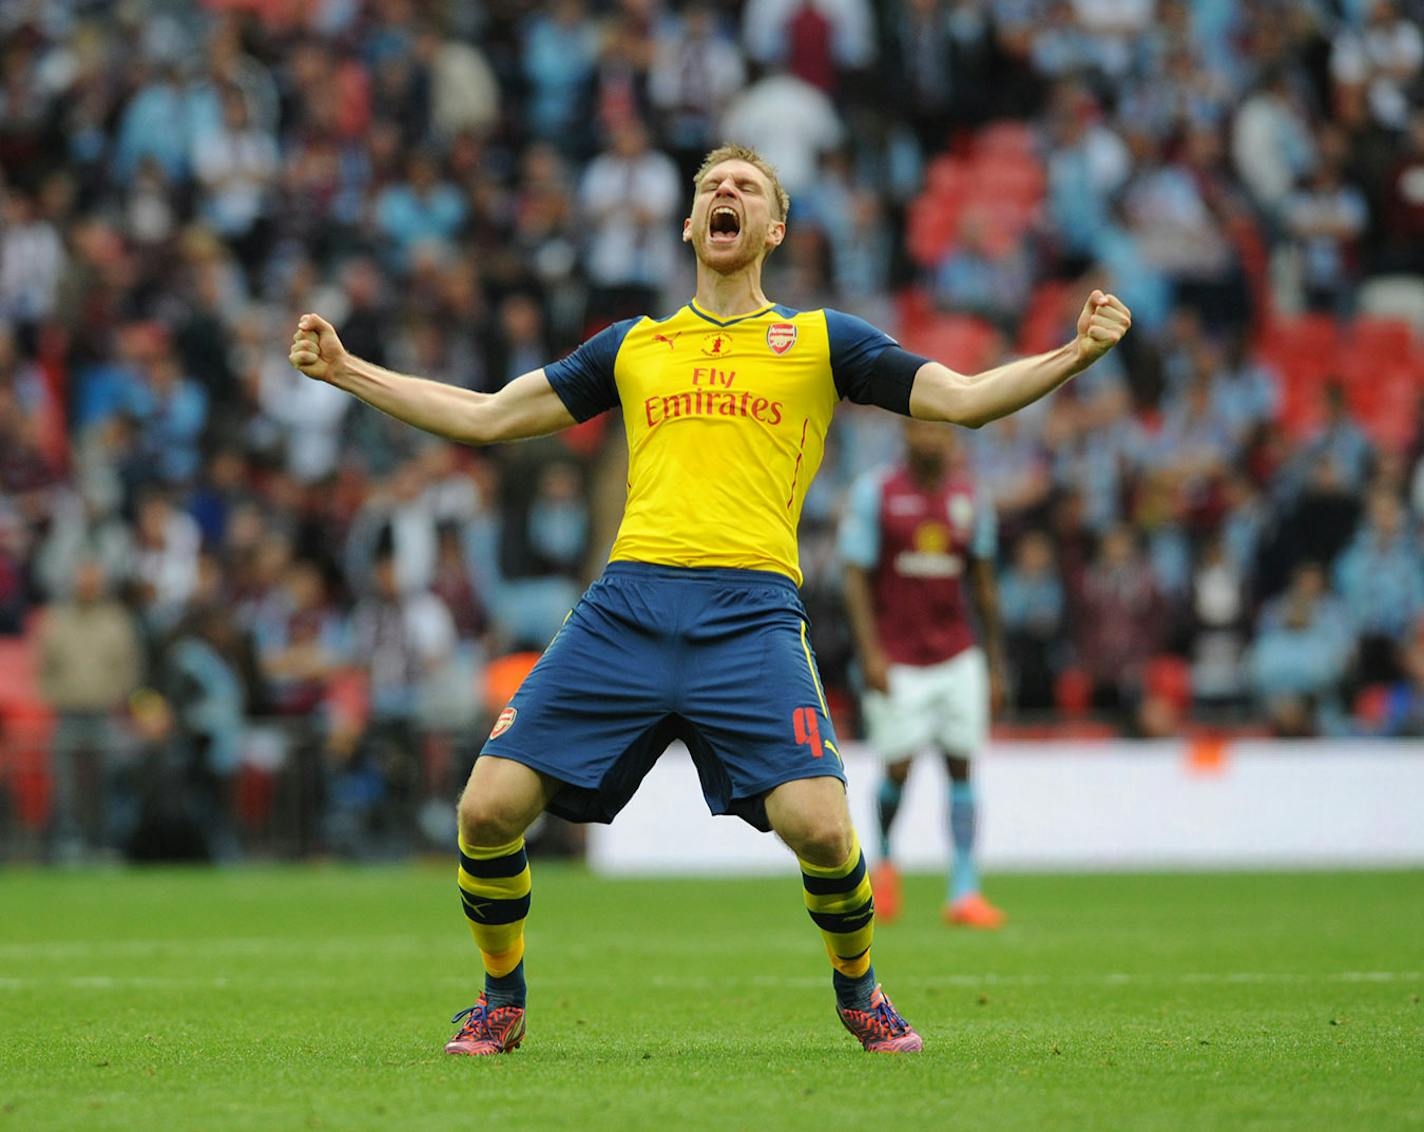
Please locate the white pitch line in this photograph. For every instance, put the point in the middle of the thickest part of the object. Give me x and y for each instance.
(971, 982)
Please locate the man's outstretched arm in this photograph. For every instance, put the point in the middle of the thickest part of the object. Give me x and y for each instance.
(940, 394)
(527, 406)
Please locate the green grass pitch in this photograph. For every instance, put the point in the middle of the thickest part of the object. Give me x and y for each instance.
(275, 998)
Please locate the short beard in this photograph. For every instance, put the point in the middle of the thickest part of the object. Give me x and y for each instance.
(747, 255)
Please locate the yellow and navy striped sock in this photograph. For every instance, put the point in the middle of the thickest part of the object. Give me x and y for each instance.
(841, 905)
(494, 888)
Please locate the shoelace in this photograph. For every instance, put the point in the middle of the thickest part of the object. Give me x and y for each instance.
(474, 1018)
(888, 1020)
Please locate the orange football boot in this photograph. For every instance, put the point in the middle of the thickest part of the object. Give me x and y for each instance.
(885, 887)
(973, 911)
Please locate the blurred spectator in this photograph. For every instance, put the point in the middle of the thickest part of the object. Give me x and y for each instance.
(1403, 203)
(402, 639)
(982, 274)
(630, 198)
(519, 344)
(83, 527)
(1271, 143)
(558, 520)
(939, 56)
(165, 560)
(1087, 165)
(156, 123)
(236, 166)
(1377, 66)
(31, 260)
(171, 411)
(815, 40)
(560, 50)
(1220, 616)
(1339, 444)
(696, 71)
(421, 213)
(789, 122)
(1120, 623)
(300, 641)
(1032, 605)
(1014, 466)
(1246, 390)
(1300, 655)
(463, 92)
(1380, 576)
(204, 674)
(1327, 217)
(90, 661)
(1404, 703)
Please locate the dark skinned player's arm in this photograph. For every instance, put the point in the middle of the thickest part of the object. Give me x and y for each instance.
(860, 610)
(984, 593)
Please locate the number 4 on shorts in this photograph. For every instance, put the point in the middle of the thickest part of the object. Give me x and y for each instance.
(807, 729)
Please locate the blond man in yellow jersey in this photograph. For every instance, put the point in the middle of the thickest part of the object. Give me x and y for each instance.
(695, 631)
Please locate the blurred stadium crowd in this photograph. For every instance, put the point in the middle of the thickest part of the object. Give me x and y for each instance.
(229, 577)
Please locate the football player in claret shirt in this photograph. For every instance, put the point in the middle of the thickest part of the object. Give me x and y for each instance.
(695, 631)
(918, 544)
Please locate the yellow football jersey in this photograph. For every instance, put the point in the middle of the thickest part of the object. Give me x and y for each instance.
(726, 422)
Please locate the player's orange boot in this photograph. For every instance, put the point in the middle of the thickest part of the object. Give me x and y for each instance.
(973, 911)
(881, 1029)
(885, 887)
(486, 1031)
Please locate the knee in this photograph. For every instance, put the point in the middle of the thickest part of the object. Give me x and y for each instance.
(824, 842)
(487, 819)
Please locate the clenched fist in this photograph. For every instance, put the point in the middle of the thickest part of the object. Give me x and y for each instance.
(1101, 326)
(316, 350)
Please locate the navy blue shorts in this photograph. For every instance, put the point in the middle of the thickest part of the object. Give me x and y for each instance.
(715, 657)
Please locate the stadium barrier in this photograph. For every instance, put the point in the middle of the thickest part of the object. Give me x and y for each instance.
(1112, 805)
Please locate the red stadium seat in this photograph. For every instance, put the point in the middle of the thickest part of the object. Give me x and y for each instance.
(1381, 337)
(932, 225)
(26, 724)
(1073, 692)
(1169, 677)
(1014, 137)
(1371, 704)
(1305, 334)
(1046, 322)
(962, 342)
(1008, 178)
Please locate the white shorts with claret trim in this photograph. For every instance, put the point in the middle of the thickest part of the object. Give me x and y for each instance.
(945, 706)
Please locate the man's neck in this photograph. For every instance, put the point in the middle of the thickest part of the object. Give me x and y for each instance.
(926, 478)
(726, 296)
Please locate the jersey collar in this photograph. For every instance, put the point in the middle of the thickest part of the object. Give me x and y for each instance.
(700, 313)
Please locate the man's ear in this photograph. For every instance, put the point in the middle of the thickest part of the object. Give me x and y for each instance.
(775, 234)
(687, 229)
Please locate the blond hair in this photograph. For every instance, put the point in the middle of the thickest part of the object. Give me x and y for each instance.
(781, 201)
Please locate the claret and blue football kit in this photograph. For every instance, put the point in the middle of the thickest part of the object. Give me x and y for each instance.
(696, 631)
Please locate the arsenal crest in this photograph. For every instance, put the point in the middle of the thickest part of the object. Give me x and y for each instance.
(504, 722)
(781, 336)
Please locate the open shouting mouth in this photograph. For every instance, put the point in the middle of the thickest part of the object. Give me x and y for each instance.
(724, 225)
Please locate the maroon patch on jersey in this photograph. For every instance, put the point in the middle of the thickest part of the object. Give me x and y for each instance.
(781, 336)
(921, 614)
(504, 722)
